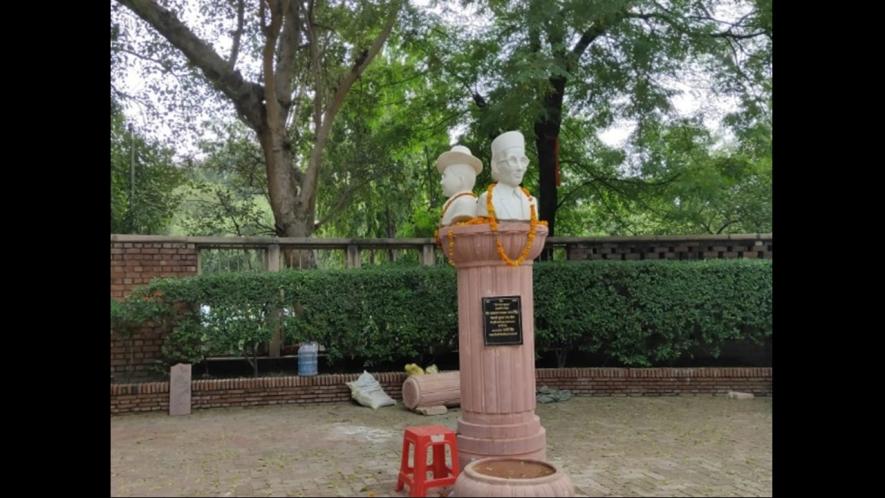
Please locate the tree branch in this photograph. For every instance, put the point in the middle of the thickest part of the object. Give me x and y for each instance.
(315, 68)
(235, 50)
(344, 86)
(245, 95)
(277, 7)
(146, 105)
(672, 21)
(574, 191)
(165, 65)
(612, 184)
(360, 66)
(724, 226)
(228, 209)
(342, 200)
(288, 44)
(734, 36)
(595, 31)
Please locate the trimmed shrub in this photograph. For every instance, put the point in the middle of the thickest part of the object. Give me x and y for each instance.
(644, 312)
(637, 312)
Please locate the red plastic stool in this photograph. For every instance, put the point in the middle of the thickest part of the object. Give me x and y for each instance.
(421, 438)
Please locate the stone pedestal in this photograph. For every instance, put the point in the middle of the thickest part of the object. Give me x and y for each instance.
(497, 381)
(180, 389)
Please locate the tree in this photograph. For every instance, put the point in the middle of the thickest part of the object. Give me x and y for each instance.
(687, 186)
(382, 180)
(544, 64)
(379, 179)
(311, 53)
(143, 181)
(227, 191)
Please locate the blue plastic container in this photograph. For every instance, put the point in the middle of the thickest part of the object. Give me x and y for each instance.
(307, 359)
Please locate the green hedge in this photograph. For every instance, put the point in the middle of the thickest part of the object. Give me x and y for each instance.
(646, 312)
(638, 313)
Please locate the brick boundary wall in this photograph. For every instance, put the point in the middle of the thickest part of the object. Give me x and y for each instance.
(137, 263)
(331, 388)
(145, 350)
(690, 248)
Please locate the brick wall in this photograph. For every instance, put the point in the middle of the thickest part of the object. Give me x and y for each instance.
(135, 263)
(696, 247)
(146, 344)
(331, 388)
(656, 381)
(327, 388)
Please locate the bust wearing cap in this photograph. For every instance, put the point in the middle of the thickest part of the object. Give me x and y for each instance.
(509, 164)
(459, 169)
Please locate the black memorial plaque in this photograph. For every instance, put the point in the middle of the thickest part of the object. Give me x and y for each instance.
(502, 320)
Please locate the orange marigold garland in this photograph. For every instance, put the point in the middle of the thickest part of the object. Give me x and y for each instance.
(493, 223)
(451, 236)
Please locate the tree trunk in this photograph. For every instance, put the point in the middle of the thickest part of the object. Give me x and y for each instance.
(547, 141)
(292, 218)
(252, 358)
(264, 109)
(561, 355)
(548, 123)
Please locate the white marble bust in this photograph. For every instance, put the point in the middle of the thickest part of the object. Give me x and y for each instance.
(459, 169)
(509, 164)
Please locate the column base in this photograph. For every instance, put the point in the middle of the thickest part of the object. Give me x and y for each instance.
(512, 435)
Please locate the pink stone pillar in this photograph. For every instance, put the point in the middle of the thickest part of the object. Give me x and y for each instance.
(497, 381)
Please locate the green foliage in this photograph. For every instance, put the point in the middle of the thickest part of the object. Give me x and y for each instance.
(380, 314)
(380, 179)
(141, 309)
(638, 313)
(436, 79)
(645, 54)
(119, 318)
(226, 192)
(156, 180)
(187, 342)
(644, 313)
(683, 186)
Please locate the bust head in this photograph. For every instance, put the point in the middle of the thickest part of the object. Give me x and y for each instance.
(458, 178)
(459, 169)
(509, 161)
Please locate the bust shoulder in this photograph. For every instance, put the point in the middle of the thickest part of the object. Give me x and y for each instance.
(459, 208)
(467, 199)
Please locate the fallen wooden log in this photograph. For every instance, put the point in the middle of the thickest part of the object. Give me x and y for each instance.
(443, 388)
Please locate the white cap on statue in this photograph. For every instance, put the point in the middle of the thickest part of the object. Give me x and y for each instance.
(458, 155)
(507, 140)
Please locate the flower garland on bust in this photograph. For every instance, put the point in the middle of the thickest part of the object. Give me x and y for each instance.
(476, 220)
(493, 223)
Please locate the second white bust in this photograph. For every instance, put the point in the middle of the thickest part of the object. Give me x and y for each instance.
(459, 169)
(509, 164)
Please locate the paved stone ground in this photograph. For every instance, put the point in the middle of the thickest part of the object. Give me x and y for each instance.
(622, 446)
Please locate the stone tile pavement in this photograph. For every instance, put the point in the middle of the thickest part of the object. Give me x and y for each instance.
(620, 446)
